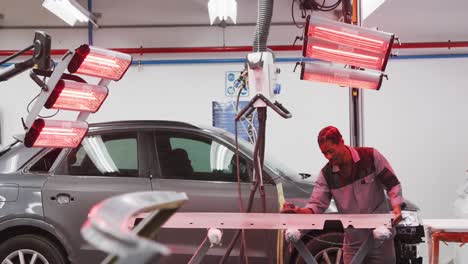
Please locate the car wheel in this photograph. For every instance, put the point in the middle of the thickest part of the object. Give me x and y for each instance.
(30, 249)
(326, 248)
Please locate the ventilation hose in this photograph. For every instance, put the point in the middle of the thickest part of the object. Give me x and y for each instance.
(265, 12)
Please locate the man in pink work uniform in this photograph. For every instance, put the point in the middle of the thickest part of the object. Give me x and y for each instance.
(356, 178)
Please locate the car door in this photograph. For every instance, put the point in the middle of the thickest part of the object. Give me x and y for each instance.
(204, 168)
(104, 165)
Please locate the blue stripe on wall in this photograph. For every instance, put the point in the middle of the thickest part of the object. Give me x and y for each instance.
(292, 59)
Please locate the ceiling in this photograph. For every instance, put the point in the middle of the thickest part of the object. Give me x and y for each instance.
(137, 12)
(411, 21)
(422, 20)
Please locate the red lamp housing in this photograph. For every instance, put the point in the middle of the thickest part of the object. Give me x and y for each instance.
(98, 62)
(348, 44)
(76, 96)
(321, 72)
(55, 133)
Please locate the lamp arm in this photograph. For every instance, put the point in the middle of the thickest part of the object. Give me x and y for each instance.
(16, 54)
(41, 57)
(15, 69)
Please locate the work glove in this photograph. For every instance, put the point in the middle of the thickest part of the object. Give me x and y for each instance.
(290, 208)
(382, 233)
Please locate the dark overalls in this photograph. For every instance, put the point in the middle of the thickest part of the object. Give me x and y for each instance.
(362, 193)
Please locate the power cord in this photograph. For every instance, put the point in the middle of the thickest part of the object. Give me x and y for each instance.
(35, 97)
(292, 15)
(323, 7)
(334, 243)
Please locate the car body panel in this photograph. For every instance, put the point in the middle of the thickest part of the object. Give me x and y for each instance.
(27, 190)
(84, 192)
(14, 156)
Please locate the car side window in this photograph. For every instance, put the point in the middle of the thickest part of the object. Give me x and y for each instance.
(105, 155)
(189, 157)
(44, 164)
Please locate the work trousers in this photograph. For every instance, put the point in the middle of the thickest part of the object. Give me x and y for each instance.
(379, 252)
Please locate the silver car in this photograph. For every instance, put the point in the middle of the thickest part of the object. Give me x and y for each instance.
(46, 193)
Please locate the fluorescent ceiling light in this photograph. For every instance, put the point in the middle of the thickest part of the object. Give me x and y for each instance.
(369, 6)
(222, 10)
(99, 155)
(68, 10)
(220, 157)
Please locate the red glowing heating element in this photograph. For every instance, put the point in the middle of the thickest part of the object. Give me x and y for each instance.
(321, 72)
(350, 57)
(97, 62)
(348, 39)
(55, 133)
(348, 44)
(76, 96)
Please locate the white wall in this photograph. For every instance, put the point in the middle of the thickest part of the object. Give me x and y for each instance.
(418, 120)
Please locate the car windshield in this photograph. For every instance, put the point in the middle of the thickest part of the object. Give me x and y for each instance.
(273, 163)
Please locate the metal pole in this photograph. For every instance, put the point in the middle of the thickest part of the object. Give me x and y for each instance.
(356, 119)
(90, 24)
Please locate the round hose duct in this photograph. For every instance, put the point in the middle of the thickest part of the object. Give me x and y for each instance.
(265, 12)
